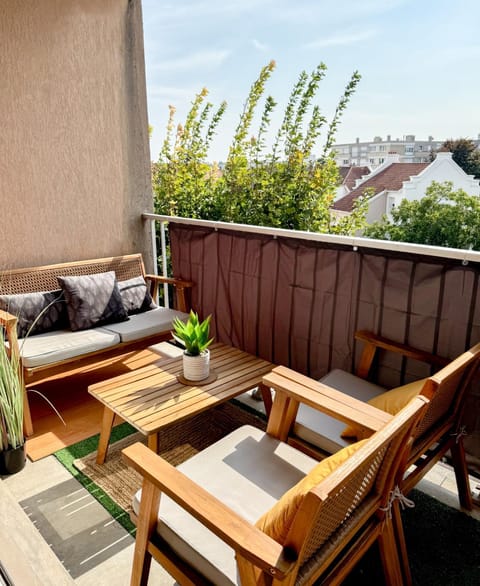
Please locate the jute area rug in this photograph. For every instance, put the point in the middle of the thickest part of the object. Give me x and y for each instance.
(178, 442)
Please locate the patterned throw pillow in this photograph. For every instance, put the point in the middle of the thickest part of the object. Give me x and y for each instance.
(92, 300)
(36, 312)
(136, 297)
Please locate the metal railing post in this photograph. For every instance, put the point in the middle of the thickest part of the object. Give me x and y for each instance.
(164, 263)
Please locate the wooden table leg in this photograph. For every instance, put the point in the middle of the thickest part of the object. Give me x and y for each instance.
(107, 424)
(152, 442)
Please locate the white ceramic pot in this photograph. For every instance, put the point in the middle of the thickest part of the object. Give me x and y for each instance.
(196, 367)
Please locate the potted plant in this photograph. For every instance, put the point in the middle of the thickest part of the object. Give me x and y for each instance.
(194, 335)
(12, 441)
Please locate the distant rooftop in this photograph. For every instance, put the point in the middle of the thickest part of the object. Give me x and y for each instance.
(351, 173)
(389, 179)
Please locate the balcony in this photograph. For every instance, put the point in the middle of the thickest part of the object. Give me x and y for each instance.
(75, 184)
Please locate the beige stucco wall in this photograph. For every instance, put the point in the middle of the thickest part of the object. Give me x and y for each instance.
(74, 152)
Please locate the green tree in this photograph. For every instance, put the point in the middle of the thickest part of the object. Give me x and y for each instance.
(443, 217)
(283, 185)
(465, 154)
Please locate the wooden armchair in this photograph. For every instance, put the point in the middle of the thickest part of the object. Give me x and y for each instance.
(252, 510)
(439, 429)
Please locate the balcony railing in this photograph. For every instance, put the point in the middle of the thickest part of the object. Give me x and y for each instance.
(296, 298)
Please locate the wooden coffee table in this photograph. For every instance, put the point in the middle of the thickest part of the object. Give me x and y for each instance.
(151, 397)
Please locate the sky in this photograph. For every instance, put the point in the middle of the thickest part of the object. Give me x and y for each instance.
(419, 62)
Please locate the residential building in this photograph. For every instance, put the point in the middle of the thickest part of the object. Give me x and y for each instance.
(394, 181)
(373, 153)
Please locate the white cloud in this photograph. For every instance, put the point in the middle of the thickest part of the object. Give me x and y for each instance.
(258, 45)
(203, 59)
(340, 39)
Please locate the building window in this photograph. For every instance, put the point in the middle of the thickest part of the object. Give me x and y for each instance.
(409, 149)
(346, 161)
(382, 148)
(372, 161)
(381, 160)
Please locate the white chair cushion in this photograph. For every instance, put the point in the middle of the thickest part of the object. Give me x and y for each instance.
(248, 471)
(145, 324)
(324, 431)
(64, 344)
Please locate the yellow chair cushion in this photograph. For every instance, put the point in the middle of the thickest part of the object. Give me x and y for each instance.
(277, 521)
(391, 401)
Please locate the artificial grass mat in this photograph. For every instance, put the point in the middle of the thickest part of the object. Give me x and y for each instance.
(67, 456)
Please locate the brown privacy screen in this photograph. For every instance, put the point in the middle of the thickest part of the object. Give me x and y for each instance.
(298, 302)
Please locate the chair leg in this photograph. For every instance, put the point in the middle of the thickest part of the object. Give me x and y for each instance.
(401, 544)
(389, 555)
(457, 451)
(27, 415)
(147, 521)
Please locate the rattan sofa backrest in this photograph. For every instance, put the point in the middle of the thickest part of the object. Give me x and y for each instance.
(44, 278)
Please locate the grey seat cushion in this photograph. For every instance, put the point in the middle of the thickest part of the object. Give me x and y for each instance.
(248, 471)
(324, 431)
(63, 344)
(145, 324)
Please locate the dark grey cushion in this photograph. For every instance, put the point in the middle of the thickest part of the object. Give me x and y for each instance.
(92, 300)
(36, 312)
(136, 297)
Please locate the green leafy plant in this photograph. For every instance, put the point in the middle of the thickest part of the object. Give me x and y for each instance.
(442, 217)
(282, 185)
(11, 398)
(193, 333)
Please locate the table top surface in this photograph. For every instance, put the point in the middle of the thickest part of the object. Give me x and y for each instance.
(151, 397)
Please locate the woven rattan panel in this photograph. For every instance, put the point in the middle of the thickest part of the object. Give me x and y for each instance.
(442, 403)
(344, 503)
(44, 278)
(336, 542)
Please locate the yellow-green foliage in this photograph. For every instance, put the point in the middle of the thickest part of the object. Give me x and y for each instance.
(284, 185)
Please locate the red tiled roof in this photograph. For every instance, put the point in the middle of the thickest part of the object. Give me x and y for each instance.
(350, 174)
(390, 179)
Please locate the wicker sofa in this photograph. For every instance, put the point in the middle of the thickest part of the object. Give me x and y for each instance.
(60, 345)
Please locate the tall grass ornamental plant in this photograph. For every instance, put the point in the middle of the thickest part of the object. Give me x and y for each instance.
(11, 399)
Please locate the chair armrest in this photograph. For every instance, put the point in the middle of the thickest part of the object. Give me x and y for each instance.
(247, 540)
(7, 319)
(9, 322)
(179, 285)
(293, 388)
(169, 280)
(374, 342)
